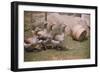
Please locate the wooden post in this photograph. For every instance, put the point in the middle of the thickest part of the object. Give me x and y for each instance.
(45, 16)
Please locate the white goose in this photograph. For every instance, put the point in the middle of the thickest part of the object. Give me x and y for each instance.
(45, 33)
(59, 38)
(32, 40)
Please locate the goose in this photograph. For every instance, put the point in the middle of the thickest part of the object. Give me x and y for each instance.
(32, 43)
(27, 45)
(45, 33)
(59, 38)
(35, 36)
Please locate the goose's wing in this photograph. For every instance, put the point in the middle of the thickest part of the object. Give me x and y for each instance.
(59, 37)
(55, 42)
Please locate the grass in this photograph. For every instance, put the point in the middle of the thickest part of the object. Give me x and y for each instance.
(76, 50)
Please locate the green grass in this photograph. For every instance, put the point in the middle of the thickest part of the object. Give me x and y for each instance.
(76, 50)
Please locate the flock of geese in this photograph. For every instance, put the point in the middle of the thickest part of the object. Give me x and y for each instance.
(46, 38)
(52, 32)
